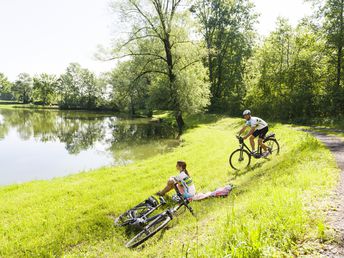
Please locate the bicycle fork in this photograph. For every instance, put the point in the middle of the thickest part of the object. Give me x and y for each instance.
(241, 157)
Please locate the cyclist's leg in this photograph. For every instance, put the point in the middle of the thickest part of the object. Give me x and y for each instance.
(264, 131)
(260, 143)
(169, 186)
(252, 137)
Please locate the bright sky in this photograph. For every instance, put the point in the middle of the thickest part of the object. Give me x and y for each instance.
(46, 35)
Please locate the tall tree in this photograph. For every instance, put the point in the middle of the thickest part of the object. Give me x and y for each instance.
(44, 88)
(227, 29)
(4, 84)
(286, 73)
(70, 85)
(160, 38)
(333, 12)
(22, 88)
(78, 88)
(90, 92)
(129, 92)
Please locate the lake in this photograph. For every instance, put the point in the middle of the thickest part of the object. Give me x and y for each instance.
(43, 144)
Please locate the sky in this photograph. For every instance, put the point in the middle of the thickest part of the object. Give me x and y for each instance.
(46, 35)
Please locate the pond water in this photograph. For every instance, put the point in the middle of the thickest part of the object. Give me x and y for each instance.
(41, 144)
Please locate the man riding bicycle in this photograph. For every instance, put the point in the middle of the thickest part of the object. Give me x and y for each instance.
(258, 128)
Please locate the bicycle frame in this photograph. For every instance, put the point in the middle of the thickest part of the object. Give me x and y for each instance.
(243, 145)
(145, 216)
(184, 202)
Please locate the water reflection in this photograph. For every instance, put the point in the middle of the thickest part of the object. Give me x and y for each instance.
(73, 141)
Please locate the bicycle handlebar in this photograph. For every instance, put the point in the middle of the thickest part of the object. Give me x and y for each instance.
(241, 140)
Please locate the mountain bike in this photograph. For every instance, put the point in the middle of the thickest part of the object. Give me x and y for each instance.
(241, 158)
(150, 225)
(138, 214)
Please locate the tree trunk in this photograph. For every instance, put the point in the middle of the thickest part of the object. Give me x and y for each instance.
(339, 66)
(180, 122)
(337, 96)
(340, 47)
(172, 78)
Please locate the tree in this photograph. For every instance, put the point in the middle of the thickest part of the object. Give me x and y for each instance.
(4, 84)
(5, 87)
(329, 14)
(69, 86)
(227, 30)
(159, 39)
(78, 88)
(90, 92)
(333, 12)
(44, 88)
(22, 88)
(129, 92)
(286, 73)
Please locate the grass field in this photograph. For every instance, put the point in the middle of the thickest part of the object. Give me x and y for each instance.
(276, 210)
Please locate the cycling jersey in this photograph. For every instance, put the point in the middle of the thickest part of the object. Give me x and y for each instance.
(185, 182)
(256, 122)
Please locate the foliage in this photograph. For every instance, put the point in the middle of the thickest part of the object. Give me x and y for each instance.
(286, 78)
(199, 55)
(333, 27)
(78, 88)
(160, 41)
(22, 88)
(227, 30)
(4, 83)
(129, 91)
(45, 88)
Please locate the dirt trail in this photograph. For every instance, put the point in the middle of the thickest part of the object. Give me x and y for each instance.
(336, 214)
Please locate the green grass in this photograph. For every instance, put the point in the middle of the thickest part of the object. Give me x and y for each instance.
(276, 210)
(14, 105)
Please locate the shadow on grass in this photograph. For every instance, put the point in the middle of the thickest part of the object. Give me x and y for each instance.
(238, 173)
(191, 120)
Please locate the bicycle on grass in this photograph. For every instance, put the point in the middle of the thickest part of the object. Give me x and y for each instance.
(140, 216)
(241, 158)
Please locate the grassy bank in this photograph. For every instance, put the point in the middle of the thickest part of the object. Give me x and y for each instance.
(13, 105)
(276, 209)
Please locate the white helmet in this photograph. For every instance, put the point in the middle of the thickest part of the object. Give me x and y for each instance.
(246, 112)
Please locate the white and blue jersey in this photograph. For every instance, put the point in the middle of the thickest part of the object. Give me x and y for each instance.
(256, 122)
(186, 183)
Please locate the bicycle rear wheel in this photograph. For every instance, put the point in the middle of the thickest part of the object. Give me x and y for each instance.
(240, 159)
(150, 230)
(129, 215)
(273, 144)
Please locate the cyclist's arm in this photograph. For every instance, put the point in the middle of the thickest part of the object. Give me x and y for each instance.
(242, 130)
(250, 132)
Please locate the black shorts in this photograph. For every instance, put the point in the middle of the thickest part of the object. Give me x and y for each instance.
(262, 132)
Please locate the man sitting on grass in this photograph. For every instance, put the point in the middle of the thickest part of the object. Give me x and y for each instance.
(258, 128)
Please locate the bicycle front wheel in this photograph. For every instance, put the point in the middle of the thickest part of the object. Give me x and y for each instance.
(240, 159)
(150, 230)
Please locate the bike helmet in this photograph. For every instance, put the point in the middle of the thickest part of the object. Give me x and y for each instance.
(246, 112)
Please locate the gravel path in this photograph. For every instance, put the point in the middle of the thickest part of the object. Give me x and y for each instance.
(336, 214)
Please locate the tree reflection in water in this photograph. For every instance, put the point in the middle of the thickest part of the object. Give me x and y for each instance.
(126, 140)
